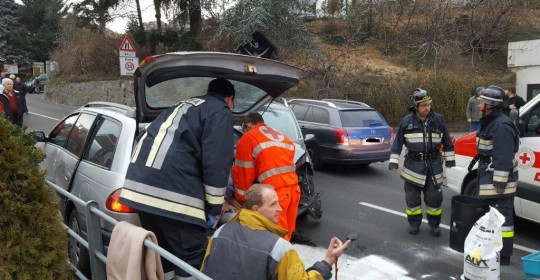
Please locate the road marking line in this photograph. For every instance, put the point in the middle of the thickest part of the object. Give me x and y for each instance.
(516, 246)
(30, 113)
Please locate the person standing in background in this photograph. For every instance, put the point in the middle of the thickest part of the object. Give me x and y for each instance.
(22, 91)
(514, 102)
(10, 103)
(472, 112)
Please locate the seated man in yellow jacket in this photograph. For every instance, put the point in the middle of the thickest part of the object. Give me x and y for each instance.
(251, 245)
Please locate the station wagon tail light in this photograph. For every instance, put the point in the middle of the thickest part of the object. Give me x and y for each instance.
(342, 136)
(392, 135)
(113, 203)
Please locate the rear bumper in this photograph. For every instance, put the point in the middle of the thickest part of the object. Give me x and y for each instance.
(348, 155)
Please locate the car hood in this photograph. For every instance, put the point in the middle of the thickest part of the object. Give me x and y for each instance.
(270, 79)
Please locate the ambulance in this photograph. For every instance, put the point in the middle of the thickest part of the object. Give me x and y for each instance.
(527, 199)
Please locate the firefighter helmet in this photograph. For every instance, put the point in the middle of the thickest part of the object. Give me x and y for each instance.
(421, 96)
(492, 96)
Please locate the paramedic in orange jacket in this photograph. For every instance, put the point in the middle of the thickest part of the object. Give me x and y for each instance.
(266, 156)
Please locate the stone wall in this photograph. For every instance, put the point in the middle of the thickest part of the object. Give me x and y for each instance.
(78, 94)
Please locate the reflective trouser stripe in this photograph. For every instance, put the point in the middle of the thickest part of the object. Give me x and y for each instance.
(508, 234)
(411, 212)
(432, 212)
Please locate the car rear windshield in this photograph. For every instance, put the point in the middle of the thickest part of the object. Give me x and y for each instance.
(361, 118)
(170, 92)
(283, 121)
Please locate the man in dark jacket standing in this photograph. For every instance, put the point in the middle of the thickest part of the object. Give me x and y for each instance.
(422, 132)
(497, 142)
(179, 171)
(513, 101)
(22, 91)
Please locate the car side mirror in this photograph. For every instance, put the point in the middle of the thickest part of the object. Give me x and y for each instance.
(39, 136)
(514, 116)
(309, 138)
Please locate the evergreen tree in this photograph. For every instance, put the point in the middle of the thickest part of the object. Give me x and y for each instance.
(41, 26)
(9, 21)
(32, 240)
(277, 20)
(95, 14)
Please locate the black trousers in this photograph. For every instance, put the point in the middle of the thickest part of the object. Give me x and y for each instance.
(505, 205)
(433, 198)
(184, 240)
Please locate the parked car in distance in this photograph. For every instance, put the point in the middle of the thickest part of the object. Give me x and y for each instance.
(88, 152)
(37, 84)
(346, 132)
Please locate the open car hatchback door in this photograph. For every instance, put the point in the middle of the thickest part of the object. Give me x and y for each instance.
(164, 80)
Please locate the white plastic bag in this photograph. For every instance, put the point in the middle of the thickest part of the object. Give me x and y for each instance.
(481, 258)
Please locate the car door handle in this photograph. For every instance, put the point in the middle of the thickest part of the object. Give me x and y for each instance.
(303, 126)
(67, 176)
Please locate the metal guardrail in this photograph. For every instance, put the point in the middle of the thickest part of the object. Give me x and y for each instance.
(94, 244)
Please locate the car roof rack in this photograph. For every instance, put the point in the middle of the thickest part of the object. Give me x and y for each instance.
(315, 102)
(352, 102)
(124, 109)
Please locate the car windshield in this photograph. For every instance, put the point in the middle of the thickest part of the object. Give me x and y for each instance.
(169, 92)
(283, 120)
(361, 118)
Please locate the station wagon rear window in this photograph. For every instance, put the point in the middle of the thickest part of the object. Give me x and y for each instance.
(361, 118)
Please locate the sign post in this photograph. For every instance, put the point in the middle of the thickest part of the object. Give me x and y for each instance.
(128, 58)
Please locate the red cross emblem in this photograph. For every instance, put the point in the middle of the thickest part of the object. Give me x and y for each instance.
(271, 134)
(524, 158)
(537, 177)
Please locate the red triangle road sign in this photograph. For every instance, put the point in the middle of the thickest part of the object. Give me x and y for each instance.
(127, 45)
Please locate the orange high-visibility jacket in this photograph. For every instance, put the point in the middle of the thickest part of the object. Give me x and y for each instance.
(266, 156)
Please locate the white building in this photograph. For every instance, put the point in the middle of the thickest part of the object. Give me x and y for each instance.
(524, 60)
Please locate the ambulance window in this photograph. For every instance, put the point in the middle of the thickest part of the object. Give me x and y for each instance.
(533, 124)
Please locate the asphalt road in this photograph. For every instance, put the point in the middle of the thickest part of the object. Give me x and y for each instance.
(369, 201)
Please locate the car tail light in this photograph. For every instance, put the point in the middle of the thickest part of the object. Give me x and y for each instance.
(342, 136)
(113, 203)
(392, 135)
(146, 60)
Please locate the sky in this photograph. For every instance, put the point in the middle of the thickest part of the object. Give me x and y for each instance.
(119, 24)
(121, 14)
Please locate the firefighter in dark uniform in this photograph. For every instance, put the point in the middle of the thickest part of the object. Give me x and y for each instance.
(422, 132)
(179, 171)
(497, 142)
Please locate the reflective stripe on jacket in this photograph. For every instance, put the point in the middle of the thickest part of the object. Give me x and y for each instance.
(252, 247)
(419, 138)
(266, 156)
(182, 163)
(497, 139)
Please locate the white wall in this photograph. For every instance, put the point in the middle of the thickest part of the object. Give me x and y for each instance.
(525, 76)
(524, 53)
(524, 60)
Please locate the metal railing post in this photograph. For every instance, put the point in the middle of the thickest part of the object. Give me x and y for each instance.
(95, 242)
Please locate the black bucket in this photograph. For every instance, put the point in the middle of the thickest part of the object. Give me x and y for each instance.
(466, 210)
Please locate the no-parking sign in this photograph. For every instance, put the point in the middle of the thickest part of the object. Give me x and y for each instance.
(128, 65)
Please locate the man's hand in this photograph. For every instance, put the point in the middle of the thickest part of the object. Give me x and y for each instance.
(393, 167)
(512, 107)
(499, 190)
(230, 205)
(335, 249)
